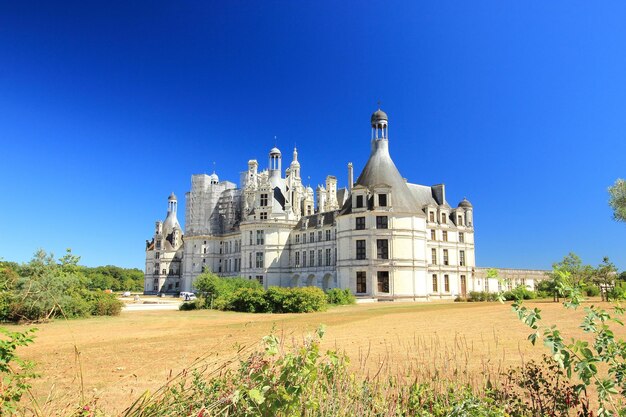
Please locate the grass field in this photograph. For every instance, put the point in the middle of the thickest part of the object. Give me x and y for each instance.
(117, 358)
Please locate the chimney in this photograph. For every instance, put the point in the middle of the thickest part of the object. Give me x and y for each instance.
(350, 176)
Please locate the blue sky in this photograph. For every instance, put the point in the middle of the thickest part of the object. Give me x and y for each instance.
(107, 107)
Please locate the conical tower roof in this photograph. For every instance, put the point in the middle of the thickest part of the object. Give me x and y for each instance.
(380, 169)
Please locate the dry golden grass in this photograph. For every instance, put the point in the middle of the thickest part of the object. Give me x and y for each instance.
(115, 359)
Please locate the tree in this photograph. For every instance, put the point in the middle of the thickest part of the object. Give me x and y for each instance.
(617, 200)
(604, 277)
(579, 274)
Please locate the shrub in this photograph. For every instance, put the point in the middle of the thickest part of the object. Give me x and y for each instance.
(295, 300)
(520, 292)
(15, 373)
(103, 304)
(212, 286)
(338, 296)
(196, 304)
(249, 300)
(592, 291)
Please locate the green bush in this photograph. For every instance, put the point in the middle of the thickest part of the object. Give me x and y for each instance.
(212, 286)
(196, 304)
(295, 300)
(338, 296)
(249, 300)
(520, 292)
(592, 291)
(103, 304)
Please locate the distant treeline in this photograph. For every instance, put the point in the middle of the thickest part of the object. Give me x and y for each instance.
(46, 287)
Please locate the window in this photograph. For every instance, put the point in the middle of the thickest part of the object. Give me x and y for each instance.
(156, 268)
(297, 238)
(319, 236)
(157, 255)
(360, 223)
(250, 237)
(260, 237)
(335, 257)
(446, 283)
(360, 249)
(263, 200)
(303, 237)
(459, 220)
(263, 215)
(444, 236)
(382, 200)
(164, 271)
(311, 237)
(311, 258)
(204, 250)
(250, 260)
(259, 259)
(381, 222)
(462, 258)
(463, 285)
(230, 246)
(260, 279)
(361, 284)
(445, 257)
(328, 235)
(327, 257)
(383, 281)
(433, 234)
(359, 201)
(382, 248)
(297, 259)
(304, 258)
(319, 257)
(443, 218)
(434, 255)
(431, 216)
(461, 237)
(158, 244)
(435, 286)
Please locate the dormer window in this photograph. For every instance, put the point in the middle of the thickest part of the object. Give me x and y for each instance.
(459, 220)
(359, 201)
(263, 215)
(431, 216)
(263, 200)
(382, 200)
(443, 218)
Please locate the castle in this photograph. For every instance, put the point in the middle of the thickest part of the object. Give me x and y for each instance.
(382, 237)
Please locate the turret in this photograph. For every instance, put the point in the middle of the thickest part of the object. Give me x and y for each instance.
(321, 198)
(275, 166)
(331, 194)
(295, 165)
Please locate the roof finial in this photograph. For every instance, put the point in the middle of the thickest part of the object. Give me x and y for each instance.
(214, 167)
(379, 103)
(275, 141)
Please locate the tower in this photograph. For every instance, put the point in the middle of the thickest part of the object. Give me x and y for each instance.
(295, 165)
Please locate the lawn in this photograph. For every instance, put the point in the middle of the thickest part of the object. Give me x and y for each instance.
(117, 358)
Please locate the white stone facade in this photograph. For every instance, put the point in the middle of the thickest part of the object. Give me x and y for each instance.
(381, 237)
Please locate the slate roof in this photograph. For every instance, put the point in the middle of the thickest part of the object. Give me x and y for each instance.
(379, 170)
